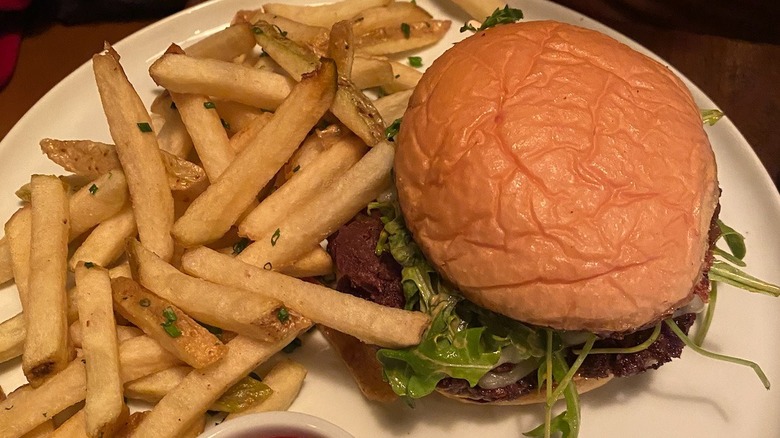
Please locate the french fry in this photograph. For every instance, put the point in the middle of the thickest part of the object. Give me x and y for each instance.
(330, 209)
(369, 72)
(152, 388)
(173, 136)
(73, 427)
(224, 45)
(104, 398)
(12, 334)
(294, 58)
(106, 242)
(368, 321)
(221, 80)
(42, 431)
(307, 181)
(393, 106)
(360, 359)
(240, 140)
(141, 356)
(18, 231)
(181, 407)
(341, 48)
(220, 206)
(46, 348)
(479, 9)
(203, 123)
(314, 264)
(135, 419)
(237, 116)
(392, 14)
(404, 78)
(6, 267)
(123, 333)
(93, 159)
(138, 151)
(167, 324)
(29, 409)
(401, 38)
(96, 202)
(315, 37)
(83, 157)
(138, 357)
(350, 105)
(286, 380)
(224, 307)
(323, 15)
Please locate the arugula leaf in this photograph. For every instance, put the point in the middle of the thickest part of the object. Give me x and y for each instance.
(710, 116)
(567, 423)
(725, 273)
(704, 327)
(706, 353)
(247, 392)
(463, 341)
(446, 350)
(499, 16)
(734, 240)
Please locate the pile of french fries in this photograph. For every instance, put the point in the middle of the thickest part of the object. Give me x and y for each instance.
(187, 237)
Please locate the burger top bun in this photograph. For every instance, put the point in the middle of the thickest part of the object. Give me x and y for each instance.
(558, 177)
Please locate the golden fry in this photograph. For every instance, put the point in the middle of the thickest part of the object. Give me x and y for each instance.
(220, 306)
(213, 213)
(46, 348)
(323, 15)
(139, 153)
(286, 380)
(330, 209)
(368, 321)
(167, 324)
(104, 398)
(186, 403)
(106, 242)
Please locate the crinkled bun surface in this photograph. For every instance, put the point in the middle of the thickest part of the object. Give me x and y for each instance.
(558, 177)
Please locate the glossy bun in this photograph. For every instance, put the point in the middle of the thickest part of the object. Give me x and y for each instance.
(559, 177)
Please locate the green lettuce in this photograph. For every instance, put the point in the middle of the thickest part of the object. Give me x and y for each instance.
(463, 341)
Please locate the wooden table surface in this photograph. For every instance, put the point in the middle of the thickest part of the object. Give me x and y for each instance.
(741, 76)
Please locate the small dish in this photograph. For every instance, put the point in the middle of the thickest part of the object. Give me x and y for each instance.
(282, 424)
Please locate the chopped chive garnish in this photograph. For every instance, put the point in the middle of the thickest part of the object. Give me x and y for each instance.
(241, 245)
(296, 168)
(170, 323)
(145, 302)
(257, 30)
(144, 127)
(88, 265)
(172, 330)
(209, 105)
(406, 29)
(415, 61)
(283, 315)
(93, 189)
(275, 237)
(393, 129)
(225, 124)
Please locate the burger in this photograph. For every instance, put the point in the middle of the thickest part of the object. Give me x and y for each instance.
(555, 212)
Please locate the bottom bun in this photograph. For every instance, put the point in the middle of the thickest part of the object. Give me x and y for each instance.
(583, 385)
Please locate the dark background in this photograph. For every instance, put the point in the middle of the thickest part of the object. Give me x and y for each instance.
(730, 49)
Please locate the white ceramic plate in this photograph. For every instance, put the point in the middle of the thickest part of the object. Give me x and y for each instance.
(692, 397)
